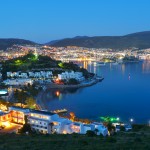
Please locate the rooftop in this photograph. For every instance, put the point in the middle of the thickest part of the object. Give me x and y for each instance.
(42, 112)
(2, 113)
(16, 108)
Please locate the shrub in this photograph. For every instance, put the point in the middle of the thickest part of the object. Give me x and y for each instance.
(90, 133)
(111, 140)
(137, 140)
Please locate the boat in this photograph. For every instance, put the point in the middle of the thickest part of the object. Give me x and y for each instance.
(99, 63)
(115, 63)
(99, 78)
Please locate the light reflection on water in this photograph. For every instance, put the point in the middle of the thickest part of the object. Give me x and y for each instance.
(123, 93)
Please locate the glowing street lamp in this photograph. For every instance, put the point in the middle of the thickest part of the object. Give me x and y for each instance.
(117, 118)
(131, 120)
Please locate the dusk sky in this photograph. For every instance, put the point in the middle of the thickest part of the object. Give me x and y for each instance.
(45, 20)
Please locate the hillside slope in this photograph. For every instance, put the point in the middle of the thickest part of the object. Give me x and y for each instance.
(139, 40)
(5, 43)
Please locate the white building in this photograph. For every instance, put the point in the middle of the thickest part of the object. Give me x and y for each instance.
(19, 81)
(41, 121)
(71, 75)
(101, 128)
(48, 123)
(12, 74)
(39, 74)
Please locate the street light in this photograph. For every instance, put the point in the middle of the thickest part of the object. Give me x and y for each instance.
(131, 120)
(118, 118)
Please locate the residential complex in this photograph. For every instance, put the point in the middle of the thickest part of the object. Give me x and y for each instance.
(47, 122)
(25, 78)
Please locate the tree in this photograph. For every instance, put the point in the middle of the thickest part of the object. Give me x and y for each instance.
(96, 131)
(20, 96)
(72, 116)
(110, 128)
(90, 133)
(26, 127)
(122, 128)
(51, 126)
(73, 81)
(30, 101)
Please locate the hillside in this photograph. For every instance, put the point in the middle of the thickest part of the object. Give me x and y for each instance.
(122, 141)
(5, 43)
(139, 40)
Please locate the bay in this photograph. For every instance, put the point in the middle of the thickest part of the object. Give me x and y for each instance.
(124, 93)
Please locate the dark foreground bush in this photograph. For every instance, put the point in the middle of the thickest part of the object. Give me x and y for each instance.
(90, 133)
(111, 140)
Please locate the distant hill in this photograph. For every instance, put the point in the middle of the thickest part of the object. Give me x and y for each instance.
(5, 43)
(139, 40)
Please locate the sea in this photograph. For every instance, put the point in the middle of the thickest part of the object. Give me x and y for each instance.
(124, 93)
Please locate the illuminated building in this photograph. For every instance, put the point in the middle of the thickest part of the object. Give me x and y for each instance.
(47, 122)
(40, 121)
(5, 118)
(18, 114)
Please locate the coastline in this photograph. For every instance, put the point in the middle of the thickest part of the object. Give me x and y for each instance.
(83, 84)
(91, 82)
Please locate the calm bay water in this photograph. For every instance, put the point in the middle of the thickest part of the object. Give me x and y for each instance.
(124, 93)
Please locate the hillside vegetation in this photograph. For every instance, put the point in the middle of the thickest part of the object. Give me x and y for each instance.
(5, 43)
(138, 40)
(139, 140)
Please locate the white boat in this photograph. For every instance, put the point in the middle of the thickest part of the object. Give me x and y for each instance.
(115, 63)
(59, 111)
(101, 63)
(94, 63)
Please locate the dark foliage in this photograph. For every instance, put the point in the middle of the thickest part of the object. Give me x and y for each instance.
(139, 40)
(5, 43)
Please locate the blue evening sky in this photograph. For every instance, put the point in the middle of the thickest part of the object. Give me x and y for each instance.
(46, 20)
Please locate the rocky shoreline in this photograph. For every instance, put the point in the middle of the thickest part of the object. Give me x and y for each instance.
(83, 84)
